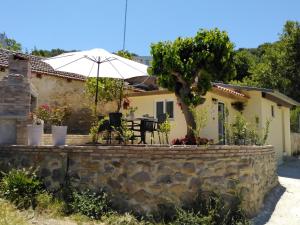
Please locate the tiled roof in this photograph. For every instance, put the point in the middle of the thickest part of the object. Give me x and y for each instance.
(38, 65)
(229, 91)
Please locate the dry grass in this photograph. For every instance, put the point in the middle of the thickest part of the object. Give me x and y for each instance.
(9, 215)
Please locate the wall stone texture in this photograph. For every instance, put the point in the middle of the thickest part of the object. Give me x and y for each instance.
(141, 177)
(70, 139)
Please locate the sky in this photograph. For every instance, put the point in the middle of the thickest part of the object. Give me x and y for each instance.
(87, 24)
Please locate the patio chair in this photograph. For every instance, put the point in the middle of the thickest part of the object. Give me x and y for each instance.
(115, 124)
(104, 126)
(147, 126)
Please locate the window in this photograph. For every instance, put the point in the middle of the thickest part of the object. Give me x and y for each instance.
(159, 108)
(272, 111)
(170, 108)
(165, 107)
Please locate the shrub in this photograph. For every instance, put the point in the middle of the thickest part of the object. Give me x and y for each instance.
(190, 218)
(46, 203)
(90, 204)
(126, 219)
(21, 187)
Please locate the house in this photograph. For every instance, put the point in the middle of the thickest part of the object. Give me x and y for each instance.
(58, 88)
(260, 105)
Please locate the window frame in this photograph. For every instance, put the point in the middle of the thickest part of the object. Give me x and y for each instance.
(164, 107)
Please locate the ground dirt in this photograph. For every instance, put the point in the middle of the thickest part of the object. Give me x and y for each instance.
(282, 204)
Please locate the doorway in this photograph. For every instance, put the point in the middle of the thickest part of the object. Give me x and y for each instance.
(221, 123)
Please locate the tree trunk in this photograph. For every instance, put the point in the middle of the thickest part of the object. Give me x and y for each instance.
(189, 118)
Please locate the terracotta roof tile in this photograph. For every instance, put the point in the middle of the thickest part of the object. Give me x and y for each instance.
(38, 65)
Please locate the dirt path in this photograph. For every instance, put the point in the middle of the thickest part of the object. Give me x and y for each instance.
(282, 206)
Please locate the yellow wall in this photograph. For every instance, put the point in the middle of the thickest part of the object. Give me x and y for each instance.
(256, 107)
(146, 105)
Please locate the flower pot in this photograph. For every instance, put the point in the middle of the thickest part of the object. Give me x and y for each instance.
(59, 134)
(131, 116)
(34, 133)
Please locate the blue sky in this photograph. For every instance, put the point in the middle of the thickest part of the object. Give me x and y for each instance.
(86, 24)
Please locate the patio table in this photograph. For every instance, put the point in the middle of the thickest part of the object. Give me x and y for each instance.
(133, 125)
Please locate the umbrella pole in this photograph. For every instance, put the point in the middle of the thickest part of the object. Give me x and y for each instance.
(97, 86)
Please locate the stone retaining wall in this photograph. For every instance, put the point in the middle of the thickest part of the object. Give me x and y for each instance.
(142, 177)
(75, 139)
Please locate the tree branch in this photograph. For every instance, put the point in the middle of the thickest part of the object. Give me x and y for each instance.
(179, 78)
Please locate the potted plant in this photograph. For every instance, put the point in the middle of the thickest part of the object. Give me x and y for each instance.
(35, 130)
(59, 132)
(131, 111)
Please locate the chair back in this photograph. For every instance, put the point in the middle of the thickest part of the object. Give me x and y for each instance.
(161, 118)
(104, 126)
(115, 119)
(147, 126)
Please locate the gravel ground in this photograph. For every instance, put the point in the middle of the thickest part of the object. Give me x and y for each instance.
(282, 205)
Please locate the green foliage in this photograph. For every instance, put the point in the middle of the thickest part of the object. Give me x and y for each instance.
(295, 113)
(208, 208)
(48, 53)
(124, 132)
(188, 65)
(126, 219)
(9, 43)
(59, 115)
(125, 54)
(200, 116)
(47, 204)
(21, 187)
(95, 128)
(43, 112)
(273, 65)
(244, 60)
(109, 90)
(165, 129)
(240, 132)
(90, 204)
(190, 218)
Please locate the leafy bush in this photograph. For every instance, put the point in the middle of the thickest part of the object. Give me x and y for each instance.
(192, 141)
(46, 203)
(200, 116)
(295, 120)
(21, 187)
(240, 132)
(90, 204)
(191, 218)
(126, 219)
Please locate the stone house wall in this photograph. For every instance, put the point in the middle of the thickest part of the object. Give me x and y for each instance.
(140, 178)
(55, 90)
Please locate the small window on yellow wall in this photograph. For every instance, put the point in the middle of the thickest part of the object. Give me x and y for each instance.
(272, 111)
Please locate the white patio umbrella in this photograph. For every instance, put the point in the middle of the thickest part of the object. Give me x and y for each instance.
(97, 63)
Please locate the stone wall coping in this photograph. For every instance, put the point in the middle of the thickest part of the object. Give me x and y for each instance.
(134, 150)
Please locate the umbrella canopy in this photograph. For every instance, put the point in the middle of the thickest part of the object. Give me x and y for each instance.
(97, 63)
(86, 63)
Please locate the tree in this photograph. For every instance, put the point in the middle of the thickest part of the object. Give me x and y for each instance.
(290, 39)
(188, 65)
(243, 61)
(9, 43)
(48, 53)
(125, 54)
(277, 64)
(109, 90)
